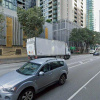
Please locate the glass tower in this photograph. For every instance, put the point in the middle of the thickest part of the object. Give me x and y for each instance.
(90, 14)
(9, 4)
(49, 9)
(12, 4)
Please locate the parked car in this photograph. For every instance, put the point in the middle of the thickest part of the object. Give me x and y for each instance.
(31, 78)
(91, 51)
(96, 53)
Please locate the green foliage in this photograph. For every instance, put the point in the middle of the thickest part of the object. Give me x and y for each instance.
(0, 1)
(2, 19)
(31, 21)
(83, 35)
(97, 38)
(48, 21)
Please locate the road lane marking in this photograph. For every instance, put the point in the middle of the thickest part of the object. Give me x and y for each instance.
(77, 62)
(80, 56)
(83, 63)
(84, 86)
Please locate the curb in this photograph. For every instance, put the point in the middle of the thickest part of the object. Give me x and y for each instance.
(13, 62)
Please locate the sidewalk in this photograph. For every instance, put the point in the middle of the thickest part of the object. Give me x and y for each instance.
(12, 56)
(13, 59)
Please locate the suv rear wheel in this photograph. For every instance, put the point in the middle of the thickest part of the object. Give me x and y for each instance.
(62, 79)
(27, 94)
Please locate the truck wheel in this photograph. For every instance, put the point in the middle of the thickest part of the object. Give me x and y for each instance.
(27, 94)
(68, 56)
(65, 57)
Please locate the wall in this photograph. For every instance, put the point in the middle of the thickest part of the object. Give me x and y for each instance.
(62, 30)
(11, 26)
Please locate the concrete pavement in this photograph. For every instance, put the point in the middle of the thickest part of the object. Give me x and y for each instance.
(13, 59)
(82, 83)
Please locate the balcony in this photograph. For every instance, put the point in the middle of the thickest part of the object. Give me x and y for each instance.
(75, 21)
(75, 0)
(75, 8)
(21, 2)
(75, 4)
(50, 5)
(50, 1)
(54, 16)
(50, 13)
(55, 3)
(50, 18)
(50, 8)
(54, 20)
(81, 24)
(55, 7)
(41, 2)
(55, 12)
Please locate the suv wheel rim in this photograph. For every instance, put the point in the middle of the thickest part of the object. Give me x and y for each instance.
(28, 95)
(62, 79)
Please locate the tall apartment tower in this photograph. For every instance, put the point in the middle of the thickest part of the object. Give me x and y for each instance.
(90, 14)
(99, 20)
(77, 12)
(53, 9)
(73, 10)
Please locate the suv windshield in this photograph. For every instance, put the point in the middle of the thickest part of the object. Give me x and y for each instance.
(28, 68)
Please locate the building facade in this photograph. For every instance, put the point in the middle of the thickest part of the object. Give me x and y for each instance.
(77, 12)
(55, 10)
(49, 9)
(13, 33)
(62, 30)
(90, 14)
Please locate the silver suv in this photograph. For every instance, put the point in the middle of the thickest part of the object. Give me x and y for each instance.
(31, 78)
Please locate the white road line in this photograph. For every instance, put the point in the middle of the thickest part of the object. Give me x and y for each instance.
(77, 62)
(83, 87)
(83, 63)
(80, 56)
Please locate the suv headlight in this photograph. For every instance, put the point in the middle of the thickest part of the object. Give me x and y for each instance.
(9, 89)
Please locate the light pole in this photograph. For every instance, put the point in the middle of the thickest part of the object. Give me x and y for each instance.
(94, 41)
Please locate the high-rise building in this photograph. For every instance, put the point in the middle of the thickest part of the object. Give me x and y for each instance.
(55, 10)
(99, 20)
(90, 14)
(49, 9)
(13, 4)
(9, 4)
(77, 12)
(13, 33)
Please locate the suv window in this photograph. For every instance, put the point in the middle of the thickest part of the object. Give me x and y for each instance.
(61, 63)
(46, 68)
(56, 64)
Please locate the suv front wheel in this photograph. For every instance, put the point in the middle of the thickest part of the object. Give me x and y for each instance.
(62, 79)
(27, 94)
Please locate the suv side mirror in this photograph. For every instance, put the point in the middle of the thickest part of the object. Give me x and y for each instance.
(41, 73)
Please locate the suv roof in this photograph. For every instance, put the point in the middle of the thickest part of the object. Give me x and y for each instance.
(43, 60)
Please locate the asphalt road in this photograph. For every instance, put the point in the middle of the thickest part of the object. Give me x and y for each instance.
(83, 81)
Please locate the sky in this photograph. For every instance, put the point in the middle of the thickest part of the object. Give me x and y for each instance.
(96, 14)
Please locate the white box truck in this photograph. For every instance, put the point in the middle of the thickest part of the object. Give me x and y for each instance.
(39, 47)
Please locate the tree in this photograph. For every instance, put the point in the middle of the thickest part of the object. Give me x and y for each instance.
(31, 21)
(48, 21)
(0, 1)
(2, 19)
(82, 35)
